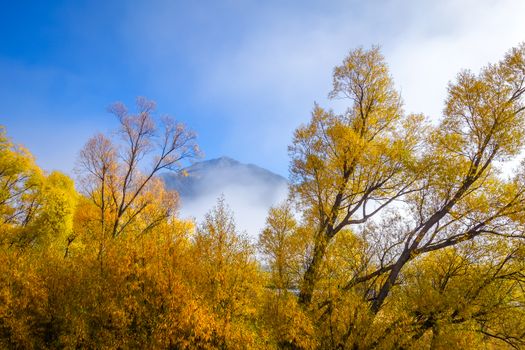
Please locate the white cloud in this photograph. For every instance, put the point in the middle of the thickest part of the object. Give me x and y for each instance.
(472, 34)
(426, 43)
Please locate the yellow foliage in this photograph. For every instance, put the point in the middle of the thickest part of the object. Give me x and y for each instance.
(406, 235)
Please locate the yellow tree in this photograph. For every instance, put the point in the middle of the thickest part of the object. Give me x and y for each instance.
(20, 180)
(35, 208)
(465, 296)
(346, 168)
(461, 197)
(283, 245)
(227, 276)
(52, 226)
(36, 223)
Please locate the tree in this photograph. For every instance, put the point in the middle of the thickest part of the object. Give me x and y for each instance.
(35, 208)
(20, 180)
(53, 223)
(113, 175)
(36, 212)
(346, 168)
(460, 195)
(473, 291)
(227, 275)
(283, 245)
(435, 187)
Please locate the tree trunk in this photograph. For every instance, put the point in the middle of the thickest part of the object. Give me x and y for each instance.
(392, 277)
(310, 276)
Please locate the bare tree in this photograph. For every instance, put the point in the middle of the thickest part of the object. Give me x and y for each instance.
(115, 173)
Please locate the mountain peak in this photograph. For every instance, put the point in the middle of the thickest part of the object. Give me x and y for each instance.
(223, 161)
(249, 189)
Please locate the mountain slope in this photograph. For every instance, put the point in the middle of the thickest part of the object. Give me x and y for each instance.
(248, 189)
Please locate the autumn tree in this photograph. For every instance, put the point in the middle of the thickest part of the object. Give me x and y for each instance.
(465, 296)
(113, 171)
(345, 168)
(20, 180)
(228, 277)
(283, 245)
(36, 222)
(460, 195)
(404, 187)
(35, 208)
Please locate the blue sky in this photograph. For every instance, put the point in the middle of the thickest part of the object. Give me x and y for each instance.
(242, 74)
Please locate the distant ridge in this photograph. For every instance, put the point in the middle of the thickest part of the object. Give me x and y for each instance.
(249, 190)
(222, 172)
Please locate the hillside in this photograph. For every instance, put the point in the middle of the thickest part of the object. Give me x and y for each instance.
(248, 189)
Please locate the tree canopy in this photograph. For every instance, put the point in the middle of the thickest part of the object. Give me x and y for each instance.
(400, 231)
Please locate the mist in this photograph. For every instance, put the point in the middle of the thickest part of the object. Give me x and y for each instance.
(248, 190)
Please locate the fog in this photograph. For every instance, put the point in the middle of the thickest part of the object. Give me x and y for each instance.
(248, 190)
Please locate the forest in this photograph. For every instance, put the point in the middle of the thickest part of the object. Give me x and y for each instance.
(400, 231)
